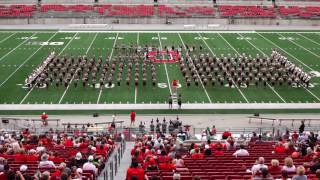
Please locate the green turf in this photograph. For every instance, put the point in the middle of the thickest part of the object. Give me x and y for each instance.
(301, 48)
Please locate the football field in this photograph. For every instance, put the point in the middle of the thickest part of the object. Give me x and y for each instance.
(22, 51)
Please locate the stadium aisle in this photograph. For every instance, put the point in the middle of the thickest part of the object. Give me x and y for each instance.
(125, 162)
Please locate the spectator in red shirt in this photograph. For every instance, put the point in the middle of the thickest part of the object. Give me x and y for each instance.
(295, 136)
(135, 171)
(33, 156)
(218, 145)
(274, 168)
(219, 151)
(163, 157)
(197, 155)
(68, 142)
(132, 117)
(226, 134)
(44, 118)
(279, 148)
(21, 156)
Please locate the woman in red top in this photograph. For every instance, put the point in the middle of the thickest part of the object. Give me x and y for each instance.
(132, 117)
(274, 168)
(279, 148)
(197, 155)
(135, 171)
(21, 156)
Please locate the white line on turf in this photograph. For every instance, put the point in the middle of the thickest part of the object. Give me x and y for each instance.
(65, 91)
(135, 88)
(114, 44)
(265, 55)
(29, 92)
(300, 46)
(165, 66)
(16, 47)
(7, 37)
(308, 38)
(295, 59)
(205, 91)
(23, 63)
(244, 97)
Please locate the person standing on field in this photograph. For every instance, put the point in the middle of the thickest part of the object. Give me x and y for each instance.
(170, 101)
(132, 117)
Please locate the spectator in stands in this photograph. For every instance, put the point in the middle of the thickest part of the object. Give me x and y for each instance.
(196, 178)
(259, 165)
(300, 174)
(275, 167)
(3, 162)
(230, 143)
(288, 165)
(265, 175)
(40, 147)
(135, 171)
(176, 176)
(22, 174)
(301, 128)
(226, 134)
(295, 136)
(89, 166)
(207, 150)
(32, 156)
(45, 163)
(197, 154)
(20, 156)
(213, 130)
(279, 148)
(241, 152)
(178, 162)
(219, 151)
(315, 165)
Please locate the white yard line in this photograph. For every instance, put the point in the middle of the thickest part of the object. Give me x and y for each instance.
(65, 91)
(114, 44)
(16, 47)
(295, 59)
(205, 91)
(165, 66)
(301, 46)
(244, 97)
(272, 88)
(25, 62)
(29, 92)
(135, 87)
(206, 44)
(7, 37)
(308, 38)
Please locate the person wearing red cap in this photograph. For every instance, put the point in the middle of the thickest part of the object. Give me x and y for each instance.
(132, 117)
(44, 118)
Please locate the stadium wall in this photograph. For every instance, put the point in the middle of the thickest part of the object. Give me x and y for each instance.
(235, 21)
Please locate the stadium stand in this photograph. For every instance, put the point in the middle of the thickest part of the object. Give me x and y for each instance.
(216, 159)
(73, 152)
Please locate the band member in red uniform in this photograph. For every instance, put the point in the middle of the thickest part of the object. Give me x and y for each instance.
(174, 86)
(132, 117)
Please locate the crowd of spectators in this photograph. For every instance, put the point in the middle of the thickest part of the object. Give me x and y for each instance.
(53, 155)
(162, 152)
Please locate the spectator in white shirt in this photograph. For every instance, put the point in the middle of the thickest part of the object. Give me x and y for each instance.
(288, 165)
(259, 165)
(45, 163)
(89, 166)
(241, 152)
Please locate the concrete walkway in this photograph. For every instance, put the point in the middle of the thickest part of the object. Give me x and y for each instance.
(125, 162)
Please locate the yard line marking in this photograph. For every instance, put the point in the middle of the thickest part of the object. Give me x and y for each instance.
(295, 59)
(114, 44)
(301, 46)
(25, 97)
(308, 38)
(206, 44)
(285, 51)
(272, 88)
(196, 71)
(244, 97)
(165, 66)
(135, 87)
(23, 63)
(16, 47)
(65, 91)
(7, 37)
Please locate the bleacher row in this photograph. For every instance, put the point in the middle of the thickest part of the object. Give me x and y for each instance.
(223, 11)
(228, 167)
